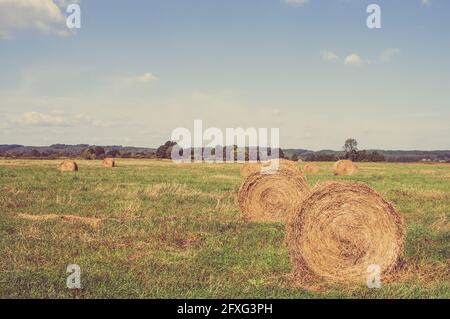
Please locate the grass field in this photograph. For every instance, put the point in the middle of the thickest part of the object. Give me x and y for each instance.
(152, 229)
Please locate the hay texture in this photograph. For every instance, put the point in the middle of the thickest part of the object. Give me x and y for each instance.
(109, 162)
(250, 168)
(272, 197)
(341, 230)
(68, 166)
(311, 168)
(255, 167)
(344, 168)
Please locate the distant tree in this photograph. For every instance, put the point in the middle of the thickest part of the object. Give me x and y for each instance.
(350, 145)
(361, 156)
(281, 153)
(113, 153)
(139, 155)
(88, 153)
(99, 152)
(58, 146)
(351, 149)
(377, 157)
(294, 158)
(35, 153)
(321, 157)
(46, 154)
(165, 151)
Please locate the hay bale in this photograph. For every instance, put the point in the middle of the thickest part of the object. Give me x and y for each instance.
(344, 168)
(272, 197)
(68, 166)
(109, 162)
(340, 230)
(255, 167)
(249, 168)
(311, 168)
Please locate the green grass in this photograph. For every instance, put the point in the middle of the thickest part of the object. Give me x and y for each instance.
(174, 231)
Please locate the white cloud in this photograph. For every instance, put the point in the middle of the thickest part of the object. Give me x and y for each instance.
(147, 77)
(56, 119)
(40, 119)
(354, 59)
(329, 56)
(388, 54)
(425, 2)
(65, 3)
(43, 16)
(296, 2)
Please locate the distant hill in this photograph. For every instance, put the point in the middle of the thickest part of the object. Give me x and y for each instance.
(389, 155)
(63, 150)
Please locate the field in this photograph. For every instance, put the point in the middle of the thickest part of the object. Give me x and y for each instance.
(153, 229)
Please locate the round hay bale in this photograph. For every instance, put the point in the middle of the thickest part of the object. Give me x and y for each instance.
(249, 168)
(342, 229)
(68, 166)
(255, 167)
(311, 168)
(109, 162)
(272, 197)
(344, 168)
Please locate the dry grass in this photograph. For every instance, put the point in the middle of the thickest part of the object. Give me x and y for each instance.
(91, 221)
(188, 239)
(311, 168)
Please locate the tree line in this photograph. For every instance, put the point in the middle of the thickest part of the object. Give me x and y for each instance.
(349, 151)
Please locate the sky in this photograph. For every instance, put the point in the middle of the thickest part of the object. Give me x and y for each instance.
(138, 69)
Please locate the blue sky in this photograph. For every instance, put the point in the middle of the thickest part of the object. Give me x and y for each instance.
(138, 69)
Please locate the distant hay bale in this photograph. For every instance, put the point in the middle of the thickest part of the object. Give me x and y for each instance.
(311, 168)
(342, 229)
(68, 166)
(109, 162)
(344, 168)
(272, 197)
(254, 167)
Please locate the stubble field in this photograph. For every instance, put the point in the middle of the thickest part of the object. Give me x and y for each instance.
(154, 229)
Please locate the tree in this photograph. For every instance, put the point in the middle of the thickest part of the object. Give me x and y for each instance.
(295, 158)
(351, 149)
(99, 152)
(165, 151)
(113, 153)
(88, 153)
(377, 157)
(35, 153)
(350, 145)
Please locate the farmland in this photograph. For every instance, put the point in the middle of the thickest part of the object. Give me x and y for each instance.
(154, 229)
